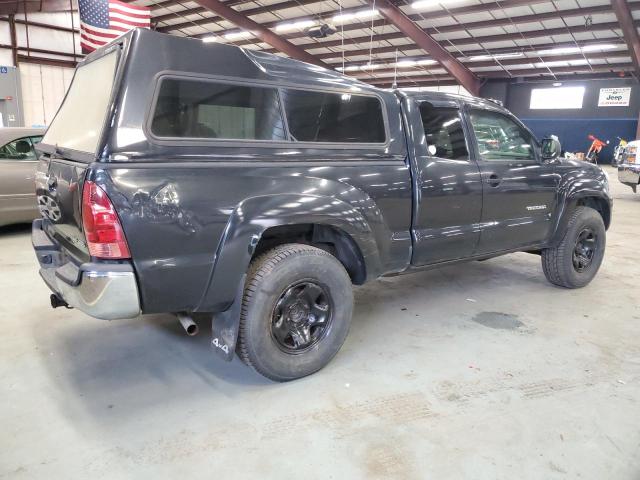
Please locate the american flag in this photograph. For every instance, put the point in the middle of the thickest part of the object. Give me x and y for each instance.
(103, 20)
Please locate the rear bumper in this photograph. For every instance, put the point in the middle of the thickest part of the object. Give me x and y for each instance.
(102, 290)
(629, 174)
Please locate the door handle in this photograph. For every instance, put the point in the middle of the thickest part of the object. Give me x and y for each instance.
(494, 180)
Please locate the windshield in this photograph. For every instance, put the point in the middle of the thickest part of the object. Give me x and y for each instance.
(79, 121)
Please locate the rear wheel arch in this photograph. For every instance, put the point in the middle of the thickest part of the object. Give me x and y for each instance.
(333, 240)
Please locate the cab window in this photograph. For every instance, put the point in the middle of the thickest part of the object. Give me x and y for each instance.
(443, 131)
(499, 138)
(20, 149)
(333, 117)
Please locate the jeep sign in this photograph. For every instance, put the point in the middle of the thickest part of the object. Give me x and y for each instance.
(614, 97)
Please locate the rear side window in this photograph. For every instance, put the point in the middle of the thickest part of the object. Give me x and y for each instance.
(444, 133)
(333, 117)
(201, 109)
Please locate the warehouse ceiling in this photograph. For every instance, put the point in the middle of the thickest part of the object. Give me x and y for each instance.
(493, 39)
(509, 38)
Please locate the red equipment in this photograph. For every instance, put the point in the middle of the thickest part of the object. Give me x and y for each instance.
(595, 149)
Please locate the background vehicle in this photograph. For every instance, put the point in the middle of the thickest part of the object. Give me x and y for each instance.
(594, 150)
(619, 151)
(258, 189)
(18, 162)
(629, 168)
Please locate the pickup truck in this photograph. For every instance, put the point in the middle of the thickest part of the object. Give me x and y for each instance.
(197, 178)
(629, 166)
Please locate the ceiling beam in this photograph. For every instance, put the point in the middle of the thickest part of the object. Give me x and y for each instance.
(444, 13)
(209, 20)
(30, 6)
(365, 74)
(629, 30)
(467, 54)
(444, 80)
(522, 73)
(457, 27)
(257, 30)
(450, 63)
(529, 35)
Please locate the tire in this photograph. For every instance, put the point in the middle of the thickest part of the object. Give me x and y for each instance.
(279, 291)
(561, 266)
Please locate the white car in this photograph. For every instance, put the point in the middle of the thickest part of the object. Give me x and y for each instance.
(629, 168)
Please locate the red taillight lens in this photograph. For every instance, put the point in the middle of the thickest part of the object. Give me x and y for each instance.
(102, 228)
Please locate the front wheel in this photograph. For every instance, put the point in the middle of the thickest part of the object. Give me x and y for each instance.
(576, 260)
(296, 311)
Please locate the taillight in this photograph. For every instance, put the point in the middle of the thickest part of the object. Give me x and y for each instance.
(102, 228)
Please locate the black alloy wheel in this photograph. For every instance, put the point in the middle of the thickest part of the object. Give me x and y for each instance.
(301, 317)
(585, 248)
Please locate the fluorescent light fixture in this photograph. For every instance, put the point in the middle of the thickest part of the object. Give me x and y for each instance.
(210, 39)
(598, 48)
(587, 48)
(498, 56)
(421, 4)
(413, 63)
(237, 35)
(287, 26)
(406, 63)
(347, 17)
(374, 66)
(371, 66)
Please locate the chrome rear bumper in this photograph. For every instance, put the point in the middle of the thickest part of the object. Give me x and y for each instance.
(629, 174)
(105, 291)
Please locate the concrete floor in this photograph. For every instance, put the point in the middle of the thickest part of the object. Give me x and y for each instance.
(476, 371)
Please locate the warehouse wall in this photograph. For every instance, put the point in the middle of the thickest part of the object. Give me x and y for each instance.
(42, 86)
(573, 126)
(43, 89)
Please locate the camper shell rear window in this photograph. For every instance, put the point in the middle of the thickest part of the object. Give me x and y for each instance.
(80, 120)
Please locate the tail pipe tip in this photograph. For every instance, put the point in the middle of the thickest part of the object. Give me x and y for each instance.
(57, 301)
(190, 327)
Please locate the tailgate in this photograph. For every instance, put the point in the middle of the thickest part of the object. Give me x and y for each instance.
(59, 190)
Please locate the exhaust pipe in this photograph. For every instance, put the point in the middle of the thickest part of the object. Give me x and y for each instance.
(57, 301)
(188, 324)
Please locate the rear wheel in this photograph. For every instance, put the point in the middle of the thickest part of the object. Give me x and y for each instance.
(576, 260)
(296, 311)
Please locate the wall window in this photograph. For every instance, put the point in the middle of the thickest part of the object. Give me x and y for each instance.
(444, 133)
(500, 138)
(560, 98)
(202, 109)
(333, 117)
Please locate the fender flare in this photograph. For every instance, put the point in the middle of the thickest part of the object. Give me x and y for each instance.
(569, 201)
(252, 217)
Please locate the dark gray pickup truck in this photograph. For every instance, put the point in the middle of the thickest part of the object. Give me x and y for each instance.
(186, 177)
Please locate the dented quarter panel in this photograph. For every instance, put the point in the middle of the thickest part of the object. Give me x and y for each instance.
(182, 219)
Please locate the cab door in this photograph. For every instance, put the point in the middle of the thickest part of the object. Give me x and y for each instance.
(446, 182)
(519, 190)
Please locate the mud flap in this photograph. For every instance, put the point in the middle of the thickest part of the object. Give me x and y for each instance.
(225, 326)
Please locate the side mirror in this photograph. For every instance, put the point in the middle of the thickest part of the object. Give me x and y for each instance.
(551, 149)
